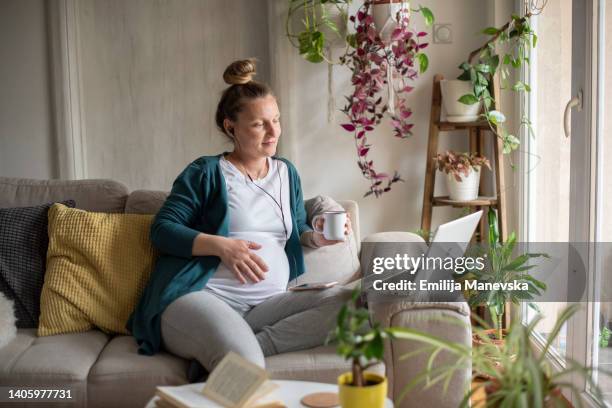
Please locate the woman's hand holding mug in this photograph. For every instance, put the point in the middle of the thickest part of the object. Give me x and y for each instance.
(331, 227)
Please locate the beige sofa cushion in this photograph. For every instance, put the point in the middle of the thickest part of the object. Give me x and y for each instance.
(320, 364)
(90, 195)
(55, 361)
(123, 378)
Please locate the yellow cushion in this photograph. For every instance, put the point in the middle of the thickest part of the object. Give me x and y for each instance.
(97, 267)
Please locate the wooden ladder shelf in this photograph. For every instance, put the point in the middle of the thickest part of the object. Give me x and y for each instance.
(476, 132)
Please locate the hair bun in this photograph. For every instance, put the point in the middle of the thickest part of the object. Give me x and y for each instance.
(240, 72)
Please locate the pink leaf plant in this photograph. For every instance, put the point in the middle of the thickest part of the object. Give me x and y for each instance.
(371, 62)
(460, 164)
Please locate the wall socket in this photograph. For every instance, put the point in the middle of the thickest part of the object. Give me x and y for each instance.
(443, 33)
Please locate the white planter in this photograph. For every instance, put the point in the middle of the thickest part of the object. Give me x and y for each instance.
(452, 90)
(385, 17)
(467, 188)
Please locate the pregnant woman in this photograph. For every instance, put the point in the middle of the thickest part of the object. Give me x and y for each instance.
(230, 236)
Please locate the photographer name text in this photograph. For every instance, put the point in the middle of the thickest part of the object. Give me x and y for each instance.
(448, 285)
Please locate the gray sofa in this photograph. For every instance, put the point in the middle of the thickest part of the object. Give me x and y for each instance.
(106, 371)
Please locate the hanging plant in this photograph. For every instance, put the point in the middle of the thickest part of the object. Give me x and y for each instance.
(316, 28)
(379, 65)
(484, 62)
(322, 23)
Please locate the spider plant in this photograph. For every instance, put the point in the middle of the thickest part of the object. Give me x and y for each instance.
(502, 267)
(518, 374)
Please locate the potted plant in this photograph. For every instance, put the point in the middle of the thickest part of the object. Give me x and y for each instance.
(363, 346)
(456, 111)
(316, 28)
(484, 63)
(526, 377)
(321, 24)
(462, 173)
(502, 267)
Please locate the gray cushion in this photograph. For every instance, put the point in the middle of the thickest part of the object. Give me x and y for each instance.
(91, 195)
(145, 201)
(23, 256)
(123, 378)
(53, 361)
(320, 364)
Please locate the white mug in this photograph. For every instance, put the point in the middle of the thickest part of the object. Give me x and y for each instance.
(333, 225)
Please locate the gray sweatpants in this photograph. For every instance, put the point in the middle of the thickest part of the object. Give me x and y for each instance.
(202, 326)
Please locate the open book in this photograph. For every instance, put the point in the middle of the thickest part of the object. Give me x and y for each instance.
(234, 383)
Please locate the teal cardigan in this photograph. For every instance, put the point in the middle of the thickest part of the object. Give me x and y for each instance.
(197, 203)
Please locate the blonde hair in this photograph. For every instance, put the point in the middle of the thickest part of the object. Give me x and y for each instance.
(240, 72)
(239, 75)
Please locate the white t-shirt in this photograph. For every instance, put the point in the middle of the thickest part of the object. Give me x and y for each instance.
(254, 216)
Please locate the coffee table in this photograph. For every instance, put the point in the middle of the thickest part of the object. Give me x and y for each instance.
(290, 393)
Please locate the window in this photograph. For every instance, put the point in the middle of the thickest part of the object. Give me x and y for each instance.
(567, 181)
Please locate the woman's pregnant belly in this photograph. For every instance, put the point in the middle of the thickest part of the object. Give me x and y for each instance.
(272, 252)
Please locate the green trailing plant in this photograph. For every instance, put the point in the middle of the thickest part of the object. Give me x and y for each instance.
(502, 267)
(316, 29)
(517, 374)
(460, 164)
(359, 343)
(483, 63)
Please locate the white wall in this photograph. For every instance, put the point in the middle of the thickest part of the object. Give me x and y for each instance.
(27, 146)
(151, 78)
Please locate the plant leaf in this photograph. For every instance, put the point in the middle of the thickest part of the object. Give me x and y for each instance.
(351, 40)
(468, 99)
(496, 117)
(521, 86)
(494, 63)
(427, 15)
(465, 76)
(311, 45)
(423, 62)
(493, 231)
(483, 68)
(490, 31)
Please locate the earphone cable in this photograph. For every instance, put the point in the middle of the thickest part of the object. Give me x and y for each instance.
(280, 206)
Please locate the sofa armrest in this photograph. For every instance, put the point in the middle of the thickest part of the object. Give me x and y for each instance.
(437, 320)
(447, 320)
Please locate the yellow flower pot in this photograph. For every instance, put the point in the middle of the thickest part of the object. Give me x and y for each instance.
(370, 396)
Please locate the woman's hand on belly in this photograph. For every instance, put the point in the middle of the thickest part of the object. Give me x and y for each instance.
(237, 256)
